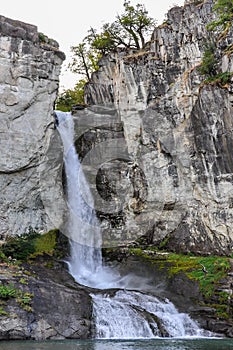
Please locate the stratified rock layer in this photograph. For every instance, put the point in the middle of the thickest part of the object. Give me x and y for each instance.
(29, 78)
(174, 182)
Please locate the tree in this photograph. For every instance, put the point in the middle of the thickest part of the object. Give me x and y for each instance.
(84, 61)
(129, 30)
(69, 98)
(224, 10)
(136, 22)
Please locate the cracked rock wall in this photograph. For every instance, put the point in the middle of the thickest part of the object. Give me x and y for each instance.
(178, 133)
(30, 162)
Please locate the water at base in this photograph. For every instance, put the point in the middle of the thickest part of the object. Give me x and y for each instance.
(117, 314)
(130, 314)
(155, 344)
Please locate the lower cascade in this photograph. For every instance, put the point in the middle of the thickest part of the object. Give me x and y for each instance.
(132, 314)
(120, 310)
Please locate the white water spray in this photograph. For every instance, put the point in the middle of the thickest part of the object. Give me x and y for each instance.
(131, 314)
(82, 225)
(123, 313)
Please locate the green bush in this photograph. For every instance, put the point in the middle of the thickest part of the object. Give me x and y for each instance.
(20, 247)
(224, 10)
(208, 65)
(7, 291)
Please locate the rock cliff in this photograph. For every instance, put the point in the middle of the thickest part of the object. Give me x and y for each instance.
(30, 162)
(167, 173)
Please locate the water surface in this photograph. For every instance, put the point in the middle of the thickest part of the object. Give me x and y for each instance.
(153, 344)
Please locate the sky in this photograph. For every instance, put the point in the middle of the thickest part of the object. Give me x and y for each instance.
(68, 21)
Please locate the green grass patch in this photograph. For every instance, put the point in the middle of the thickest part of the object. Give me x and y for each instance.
(192, 266)
(29, 245)
(46, 243)
(7, 291)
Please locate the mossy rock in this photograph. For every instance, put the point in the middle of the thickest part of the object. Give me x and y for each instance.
(33, 244)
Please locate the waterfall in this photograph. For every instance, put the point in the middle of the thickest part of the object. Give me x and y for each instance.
(82, 226)
(131, 314)
(122, 313)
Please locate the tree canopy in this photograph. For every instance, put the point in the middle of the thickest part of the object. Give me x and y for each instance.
(224, 11)
(129, 30)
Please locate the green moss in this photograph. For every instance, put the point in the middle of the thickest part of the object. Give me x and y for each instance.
(46, 243)
(3, 312)
(191, 266)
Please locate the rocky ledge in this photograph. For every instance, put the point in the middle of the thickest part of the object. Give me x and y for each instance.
(44, 303)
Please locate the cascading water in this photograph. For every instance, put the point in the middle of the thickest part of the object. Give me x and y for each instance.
(117, 314)
(82, 225)
(132, 314)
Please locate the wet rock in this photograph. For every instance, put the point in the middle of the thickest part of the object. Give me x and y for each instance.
(59, 307)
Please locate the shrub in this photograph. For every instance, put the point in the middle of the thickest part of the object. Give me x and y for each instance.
(7, 291)
(208, 65)
(224, 10)
(20, 247)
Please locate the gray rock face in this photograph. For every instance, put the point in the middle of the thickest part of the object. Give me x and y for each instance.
(59, 307)
(30, 161)
(174, 183)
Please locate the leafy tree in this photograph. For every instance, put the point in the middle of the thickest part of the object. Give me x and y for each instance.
(128, 30)
(84, 60)
(224, 10)
(71, 97)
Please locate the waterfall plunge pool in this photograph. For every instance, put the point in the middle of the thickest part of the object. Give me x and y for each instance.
(153, 344)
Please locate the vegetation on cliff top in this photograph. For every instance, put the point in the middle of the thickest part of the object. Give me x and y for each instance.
(210, 66)
(130, 31)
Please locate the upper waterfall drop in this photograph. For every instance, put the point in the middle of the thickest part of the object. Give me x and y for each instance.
(82, 225)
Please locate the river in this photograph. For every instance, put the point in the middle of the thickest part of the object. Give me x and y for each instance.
(152, 344)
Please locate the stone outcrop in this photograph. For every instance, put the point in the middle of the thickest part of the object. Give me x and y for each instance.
(29, 76)
(172, 179)
(48, 304)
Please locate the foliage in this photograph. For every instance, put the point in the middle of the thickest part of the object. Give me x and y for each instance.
(208, 65)
(71, 97)
(84, 61)
(221, 79)
(25, 300)
(30, 245)
(46, 243)
(129, 30)
(20, 247)
(224, 10)
(7, 291)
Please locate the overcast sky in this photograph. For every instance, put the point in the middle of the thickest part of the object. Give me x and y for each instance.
(68, 21)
